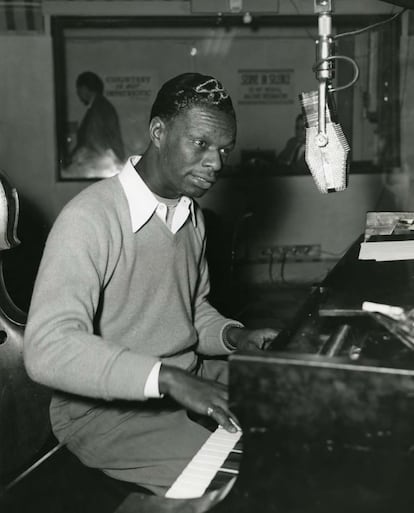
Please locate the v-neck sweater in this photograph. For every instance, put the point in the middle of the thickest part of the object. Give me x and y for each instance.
(109, 303)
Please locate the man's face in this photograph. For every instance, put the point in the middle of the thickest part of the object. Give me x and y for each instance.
(193, 147)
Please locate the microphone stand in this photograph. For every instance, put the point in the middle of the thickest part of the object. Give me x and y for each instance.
(324, 67)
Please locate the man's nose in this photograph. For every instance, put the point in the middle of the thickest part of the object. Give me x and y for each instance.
(213, 161)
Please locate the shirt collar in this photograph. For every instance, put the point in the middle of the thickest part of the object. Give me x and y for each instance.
(141, 201)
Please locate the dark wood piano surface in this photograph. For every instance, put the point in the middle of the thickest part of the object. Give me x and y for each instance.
(318, 465)
(312, 461)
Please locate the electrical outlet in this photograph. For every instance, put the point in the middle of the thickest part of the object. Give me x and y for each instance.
(294, 252)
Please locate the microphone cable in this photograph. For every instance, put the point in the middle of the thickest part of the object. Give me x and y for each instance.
(370, 27)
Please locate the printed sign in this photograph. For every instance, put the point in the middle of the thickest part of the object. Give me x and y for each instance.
(131, 87)
(266, 86)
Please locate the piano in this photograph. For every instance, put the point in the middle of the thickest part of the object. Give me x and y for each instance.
(327, 413)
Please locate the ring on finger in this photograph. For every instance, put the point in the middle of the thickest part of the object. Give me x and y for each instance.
(210, 411)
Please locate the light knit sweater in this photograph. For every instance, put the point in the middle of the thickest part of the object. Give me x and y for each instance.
(109, 303)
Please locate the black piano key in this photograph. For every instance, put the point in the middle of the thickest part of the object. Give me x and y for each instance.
(232, 464)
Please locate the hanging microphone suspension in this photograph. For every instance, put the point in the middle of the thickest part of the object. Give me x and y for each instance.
(326, 150)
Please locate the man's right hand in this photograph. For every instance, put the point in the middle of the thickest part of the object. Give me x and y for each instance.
(198, 395)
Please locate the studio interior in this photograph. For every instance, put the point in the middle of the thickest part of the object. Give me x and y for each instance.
(308, 229)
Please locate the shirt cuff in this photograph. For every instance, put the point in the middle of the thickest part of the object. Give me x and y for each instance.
(151, 389)
(224, 330)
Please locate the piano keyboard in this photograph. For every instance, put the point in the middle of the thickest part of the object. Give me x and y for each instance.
(213, 462)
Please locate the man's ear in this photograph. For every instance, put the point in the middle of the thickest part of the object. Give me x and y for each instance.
(156, 130)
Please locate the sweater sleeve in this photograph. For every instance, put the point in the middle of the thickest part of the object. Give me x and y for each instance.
(61, 349)
(208, 322)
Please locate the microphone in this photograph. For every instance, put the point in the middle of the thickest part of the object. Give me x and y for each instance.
(326, 154)
(326, 148)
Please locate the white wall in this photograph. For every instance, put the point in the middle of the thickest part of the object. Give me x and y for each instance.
(290, 210)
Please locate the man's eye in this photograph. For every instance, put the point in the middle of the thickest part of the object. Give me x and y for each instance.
(199, 143)
(225, 152)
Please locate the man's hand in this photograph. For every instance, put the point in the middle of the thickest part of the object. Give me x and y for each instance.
(244, 339)
(198, 395)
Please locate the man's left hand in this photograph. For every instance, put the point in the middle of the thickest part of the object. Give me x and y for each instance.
(244, 339)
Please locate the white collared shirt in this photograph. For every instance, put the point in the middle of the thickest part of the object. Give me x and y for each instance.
(142, 202)
(142, 205)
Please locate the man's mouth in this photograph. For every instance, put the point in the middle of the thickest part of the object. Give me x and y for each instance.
(202, 182)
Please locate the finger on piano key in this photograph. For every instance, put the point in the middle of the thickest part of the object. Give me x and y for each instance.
(235, 424)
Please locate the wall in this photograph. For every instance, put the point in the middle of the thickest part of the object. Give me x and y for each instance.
(27, 124)
(404, 177)
(285, 209)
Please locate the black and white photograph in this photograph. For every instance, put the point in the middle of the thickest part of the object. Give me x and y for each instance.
(206, 256)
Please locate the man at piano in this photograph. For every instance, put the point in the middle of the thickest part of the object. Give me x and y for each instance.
(119, 324)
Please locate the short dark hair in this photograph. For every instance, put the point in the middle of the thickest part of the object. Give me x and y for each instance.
(91, 81)
(188, 90)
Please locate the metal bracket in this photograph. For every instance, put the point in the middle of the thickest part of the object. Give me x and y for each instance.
(322, 6)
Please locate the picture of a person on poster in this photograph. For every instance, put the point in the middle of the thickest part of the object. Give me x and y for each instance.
(99, 145)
